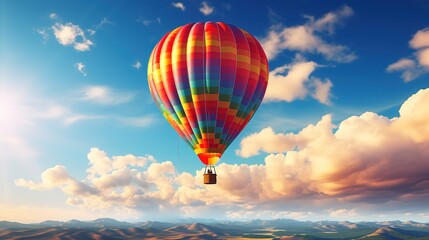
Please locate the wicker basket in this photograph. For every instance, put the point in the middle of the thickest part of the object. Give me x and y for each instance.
(209, 178)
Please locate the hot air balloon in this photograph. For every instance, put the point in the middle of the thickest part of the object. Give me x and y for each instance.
(208, 79)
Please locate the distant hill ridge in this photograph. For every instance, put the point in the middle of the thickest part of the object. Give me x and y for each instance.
(107, 228)
(190, 224)
(394, 233)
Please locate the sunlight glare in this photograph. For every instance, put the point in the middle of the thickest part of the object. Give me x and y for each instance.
(12, 111)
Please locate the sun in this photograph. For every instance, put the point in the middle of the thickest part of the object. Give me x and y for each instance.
(12, 111)
(17, 121)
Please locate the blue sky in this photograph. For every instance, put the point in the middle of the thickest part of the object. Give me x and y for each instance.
(80, 136)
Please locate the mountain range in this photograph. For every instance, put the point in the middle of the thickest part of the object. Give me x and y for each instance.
(106, 228)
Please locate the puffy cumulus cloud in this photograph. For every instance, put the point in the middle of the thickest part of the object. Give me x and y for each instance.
(123, 182)
(414, 116)
(58, 177)
(307, 38)
(325, 169)
(418, 64)
(368, 157)
(132, 183)
(70, 34)
(83, 46)
(270, 142)
(423, 57)
(290, 86)
(322, 90)
(100, 163)
(206, 9)
(293, 81)
(179, 5)
(106, 95)
(420, 39)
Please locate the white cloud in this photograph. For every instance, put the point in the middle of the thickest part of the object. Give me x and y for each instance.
(408, 66)
(343, 213)
(331, 19)
(179, 5)
(101, 163)
(351, 162)
(291, 86)
(83, 46)
(322, 90)
(52, 177)
(206, 9)
(58, 177)
(137, 64)
(420, 39)
(401, 64)
(270, 142)
(297, 84)
(305, 38)
(70, 34)
(418, 65)
(81, 68)
(118, 181)
(369, 159)
(106, 95)
(67, 34)
(53, 16)
(423, 57)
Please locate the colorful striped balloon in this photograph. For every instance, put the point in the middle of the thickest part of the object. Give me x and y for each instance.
(208, 79)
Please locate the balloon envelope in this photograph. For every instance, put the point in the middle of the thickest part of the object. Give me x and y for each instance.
(208, 79)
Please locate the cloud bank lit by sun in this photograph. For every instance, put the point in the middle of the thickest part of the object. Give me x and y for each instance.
(318, 165)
